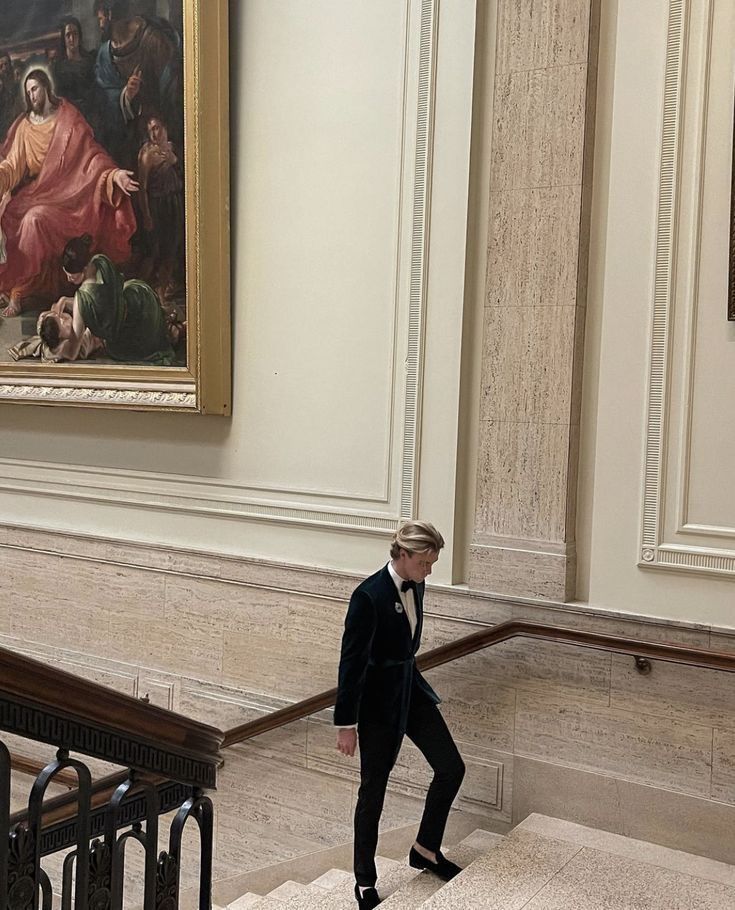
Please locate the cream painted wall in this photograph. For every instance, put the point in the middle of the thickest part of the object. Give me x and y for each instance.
(311, 467)
(628, 158)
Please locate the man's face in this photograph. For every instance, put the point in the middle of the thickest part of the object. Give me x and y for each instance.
(157, 131)
(6, 68)
(415, 566)
(71, 37)
(103, 20)
(36, 95)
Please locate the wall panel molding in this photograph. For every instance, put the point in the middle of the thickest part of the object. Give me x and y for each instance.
(383, 510)
(668, 539)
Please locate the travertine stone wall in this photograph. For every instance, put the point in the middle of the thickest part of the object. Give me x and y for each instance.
(543, 727)
(540, 183)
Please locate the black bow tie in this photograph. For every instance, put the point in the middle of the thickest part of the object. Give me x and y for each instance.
(408, 586)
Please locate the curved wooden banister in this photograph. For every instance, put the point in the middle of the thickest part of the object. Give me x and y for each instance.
(485, 638)
(50, 705)
(65, 806)
(32, 767)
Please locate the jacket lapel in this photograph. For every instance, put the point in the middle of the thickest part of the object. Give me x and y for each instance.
(419, 602)
(392, 596)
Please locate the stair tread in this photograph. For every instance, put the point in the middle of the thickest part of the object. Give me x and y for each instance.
(287, 890)
(247, 901)
(332, 878)
(507, 877)
(620, 845)
(342, 895)
(252, 901)
(423, 884)
(543, 864)
(396, 877)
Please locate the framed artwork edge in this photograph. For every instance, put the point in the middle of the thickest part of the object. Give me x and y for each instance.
(731, 275)
(213, 235)
(204, 386)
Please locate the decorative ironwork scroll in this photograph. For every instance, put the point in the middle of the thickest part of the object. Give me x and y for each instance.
(198, 807)
(35, 821)
(4, 816)
(21, 870)
(169, 795)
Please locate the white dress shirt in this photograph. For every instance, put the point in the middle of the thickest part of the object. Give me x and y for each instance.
(407, 600)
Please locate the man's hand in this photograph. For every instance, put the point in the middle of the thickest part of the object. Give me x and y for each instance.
(132, 87)
(347, 741)
(124, 179)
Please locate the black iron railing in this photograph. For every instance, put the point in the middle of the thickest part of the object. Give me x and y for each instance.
(169, 762)
(172, 771)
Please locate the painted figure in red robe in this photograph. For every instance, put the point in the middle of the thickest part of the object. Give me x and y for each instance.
(63, 183)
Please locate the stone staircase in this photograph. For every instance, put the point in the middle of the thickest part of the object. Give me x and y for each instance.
(543, 864)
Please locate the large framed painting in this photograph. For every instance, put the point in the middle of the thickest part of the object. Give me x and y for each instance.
(114, 200)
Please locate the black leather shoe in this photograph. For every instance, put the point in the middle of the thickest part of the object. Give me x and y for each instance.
(443, 867)
(368, 899)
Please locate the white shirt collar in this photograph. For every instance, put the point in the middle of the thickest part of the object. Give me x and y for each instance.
(397, 580)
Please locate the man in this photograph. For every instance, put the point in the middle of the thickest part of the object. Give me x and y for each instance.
(63, 184)
(381, 696)
(162, 207)
(138, 71)
(73, 72)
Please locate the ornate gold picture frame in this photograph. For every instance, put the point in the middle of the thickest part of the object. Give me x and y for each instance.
(167, 178)
(731, 276)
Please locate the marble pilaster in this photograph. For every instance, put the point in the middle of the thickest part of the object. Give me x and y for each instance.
(535, 298)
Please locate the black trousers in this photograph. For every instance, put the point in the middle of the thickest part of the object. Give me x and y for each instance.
(379, 746)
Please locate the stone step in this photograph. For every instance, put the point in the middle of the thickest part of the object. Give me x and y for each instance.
(332, 878)
(584, 868)
(544, 864)
(340, 890)
(653, 854)
(423, 884)
(507, 877)
(399, 885)
(247, 901)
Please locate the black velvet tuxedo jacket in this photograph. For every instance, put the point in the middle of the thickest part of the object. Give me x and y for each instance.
(377, 668)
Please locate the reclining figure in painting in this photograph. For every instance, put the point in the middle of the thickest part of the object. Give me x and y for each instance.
(126, 316)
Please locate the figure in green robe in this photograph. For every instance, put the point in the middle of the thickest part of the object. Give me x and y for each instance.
(126, 315)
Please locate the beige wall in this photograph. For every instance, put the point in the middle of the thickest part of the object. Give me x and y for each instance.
(328, 248)
(350, 152)
(341, 290)
(657, 178)
(543, 727)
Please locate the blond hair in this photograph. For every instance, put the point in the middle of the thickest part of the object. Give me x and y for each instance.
(415, 537)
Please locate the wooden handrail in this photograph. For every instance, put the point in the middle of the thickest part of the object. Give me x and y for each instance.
(65, 806)
(92, 719)
(485, 638)
(30, 680)
(32, 767)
